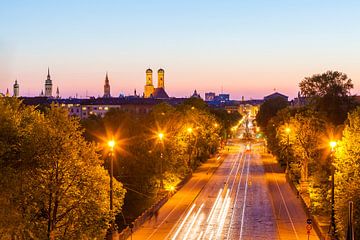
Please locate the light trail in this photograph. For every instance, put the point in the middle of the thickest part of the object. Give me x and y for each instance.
(192, 222)
(182, 224)
(245, 195)
(235, 200)
(214, 205)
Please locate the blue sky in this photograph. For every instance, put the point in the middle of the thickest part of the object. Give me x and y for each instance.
(246, 48)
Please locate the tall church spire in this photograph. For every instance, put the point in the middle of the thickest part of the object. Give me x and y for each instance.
(48, 85)
(107, 87)
(48, 76)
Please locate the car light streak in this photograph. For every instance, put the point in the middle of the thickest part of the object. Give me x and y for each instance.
(182, 224)
(192, 222)
(215, 204)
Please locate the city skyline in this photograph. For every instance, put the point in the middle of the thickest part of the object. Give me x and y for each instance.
(245, 49)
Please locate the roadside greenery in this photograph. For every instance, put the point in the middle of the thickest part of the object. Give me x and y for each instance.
(52, 184)
(299, 137)
(192, 132)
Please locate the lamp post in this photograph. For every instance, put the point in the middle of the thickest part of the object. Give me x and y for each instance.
(332, 228)
(287, 130)
(189, 131)
(161, 137)
(111, 145)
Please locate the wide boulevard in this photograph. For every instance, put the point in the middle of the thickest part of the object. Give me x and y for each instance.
(241, 194)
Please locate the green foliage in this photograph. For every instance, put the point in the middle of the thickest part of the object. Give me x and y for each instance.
(330, 93)
(52, 181)
(347, 175)
(269, 109)
(139, 165)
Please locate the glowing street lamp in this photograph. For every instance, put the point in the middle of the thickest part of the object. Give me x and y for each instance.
(189, 130)
(332, 228)
(111, 144)
(161, 138)
(287, 131)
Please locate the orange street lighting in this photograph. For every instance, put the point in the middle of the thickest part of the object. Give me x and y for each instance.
(189, 130)
(332, 145)
(287, 130)
(111, 144)
(216, 125)
(332, 216)
(161, 136)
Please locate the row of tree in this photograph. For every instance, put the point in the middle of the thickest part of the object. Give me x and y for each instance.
(53, 184)
(148, 165)
(299, 137)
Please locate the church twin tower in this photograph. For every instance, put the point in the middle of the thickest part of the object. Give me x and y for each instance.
(149, 90)
(149, 87)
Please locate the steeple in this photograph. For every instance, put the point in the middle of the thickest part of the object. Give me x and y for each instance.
(107, 87)
(16, 89)
(48, 85)
(57, 92)
(7, 93)
(48, 76)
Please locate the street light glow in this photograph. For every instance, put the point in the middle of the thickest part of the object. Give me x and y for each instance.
(111, 144)
(287, 130)
(332, 145)
(189, 130)
(161, 136)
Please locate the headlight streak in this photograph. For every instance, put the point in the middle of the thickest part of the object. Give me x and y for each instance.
(236, 197)
(223, 217)
(214, 205)
(218, 215)
(193, 221)
(245, 194)
(183, 222)
(200, 235)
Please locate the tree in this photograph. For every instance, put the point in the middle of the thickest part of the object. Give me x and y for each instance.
(347, 175)
(329, 92)
(59, 187)
(269, 109)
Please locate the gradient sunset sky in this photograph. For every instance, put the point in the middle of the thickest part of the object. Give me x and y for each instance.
(245, 47)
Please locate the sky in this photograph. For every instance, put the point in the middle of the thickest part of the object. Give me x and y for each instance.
(244, 47)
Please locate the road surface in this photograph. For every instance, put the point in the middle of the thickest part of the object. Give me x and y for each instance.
(232, 199)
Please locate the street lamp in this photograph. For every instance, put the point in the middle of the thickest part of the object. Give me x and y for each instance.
(161, 137)
(287, 130)
(189, 131)
(111, 144)
(332, 228)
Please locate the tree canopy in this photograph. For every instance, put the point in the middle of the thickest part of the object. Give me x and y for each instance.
(52, 181)
(329, 92)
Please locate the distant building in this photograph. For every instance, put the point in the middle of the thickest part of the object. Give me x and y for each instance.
(276, 95)
(57, 92)
(210, 96)
(221, 98)
(149, 87)
(195, 94)
(107, 87)
(48, 85)
(16, 89)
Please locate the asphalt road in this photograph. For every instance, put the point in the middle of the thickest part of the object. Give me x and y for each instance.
(243, 197)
